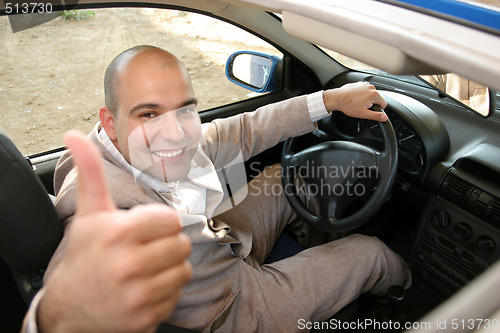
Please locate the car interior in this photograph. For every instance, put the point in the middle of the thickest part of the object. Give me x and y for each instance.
(436, 201)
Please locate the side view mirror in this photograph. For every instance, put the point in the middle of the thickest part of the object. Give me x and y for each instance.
(254, 71)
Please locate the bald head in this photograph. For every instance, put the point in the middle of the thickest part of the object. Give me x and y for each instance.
(162, 58)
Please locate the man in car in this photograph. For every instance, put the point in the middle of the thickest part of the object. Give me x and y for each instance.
(155, 149)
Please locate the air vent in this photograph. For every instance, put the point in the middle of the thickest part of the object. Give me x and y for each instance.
(493, 212)
(456, 190)
(471, 198)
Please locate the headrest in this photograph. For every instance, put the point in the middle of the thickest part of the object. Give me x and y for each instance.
(30, 230)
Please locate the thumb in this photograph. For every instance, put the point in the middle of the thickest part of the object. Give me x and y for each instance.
(93, 193)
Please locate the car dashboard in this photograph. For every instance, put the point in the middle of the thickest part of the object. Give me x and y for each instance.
(456, 235)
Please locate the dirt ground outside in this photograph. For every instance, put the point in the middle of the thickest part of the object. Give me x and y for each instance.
(51, 75)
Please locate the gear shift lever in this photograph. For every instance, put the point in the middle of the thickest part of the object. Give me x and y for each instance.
(396, 296)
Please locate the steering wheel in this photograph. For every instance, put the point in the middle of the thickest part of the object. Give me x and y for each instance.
(338, 174)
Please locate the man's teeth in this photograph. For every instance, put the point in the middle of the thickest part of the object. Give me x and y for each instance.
(168, 155)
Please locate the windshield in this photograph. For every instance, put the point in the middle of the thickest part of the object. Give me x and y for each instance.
(466, 92)
(360, 66)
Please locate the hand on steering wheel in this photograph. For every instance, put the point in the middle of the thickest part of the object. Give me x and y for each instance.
(339, 172)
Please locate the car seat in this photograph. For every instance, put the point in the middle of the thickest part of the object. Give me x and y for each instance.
(30, 230)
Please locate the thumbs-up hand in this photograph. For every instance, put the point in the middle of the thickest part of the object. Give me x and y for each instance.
(122, 270)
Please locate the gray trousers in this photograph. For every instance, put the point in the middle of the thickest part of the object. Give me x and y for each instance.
(310, 286)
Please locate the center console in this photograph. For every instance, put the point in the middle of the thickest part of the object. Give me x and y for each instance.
(459, 232)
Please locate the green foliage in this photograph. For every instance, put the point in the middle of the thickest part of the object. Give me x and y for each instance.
(76, 14)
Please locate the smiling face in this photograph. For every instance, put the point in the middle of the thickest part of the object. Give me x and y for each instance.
(156, 126)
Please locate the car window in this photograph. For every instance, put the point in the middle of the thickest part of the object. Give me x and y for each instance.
(51, 74)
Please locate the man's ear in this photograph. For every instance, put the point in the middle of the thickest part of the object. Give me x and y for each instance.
(107, 122)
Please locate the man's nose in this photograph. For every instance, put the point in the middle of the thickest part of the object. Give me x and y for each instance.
(171, 128)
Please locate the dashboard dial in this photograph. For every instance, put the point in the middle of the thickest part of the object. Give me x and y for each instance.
(410, 147)
(350, 127)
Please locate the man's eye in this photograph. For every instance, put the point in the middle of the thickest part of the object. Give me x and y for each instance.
(186, 111)
(148, 115)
